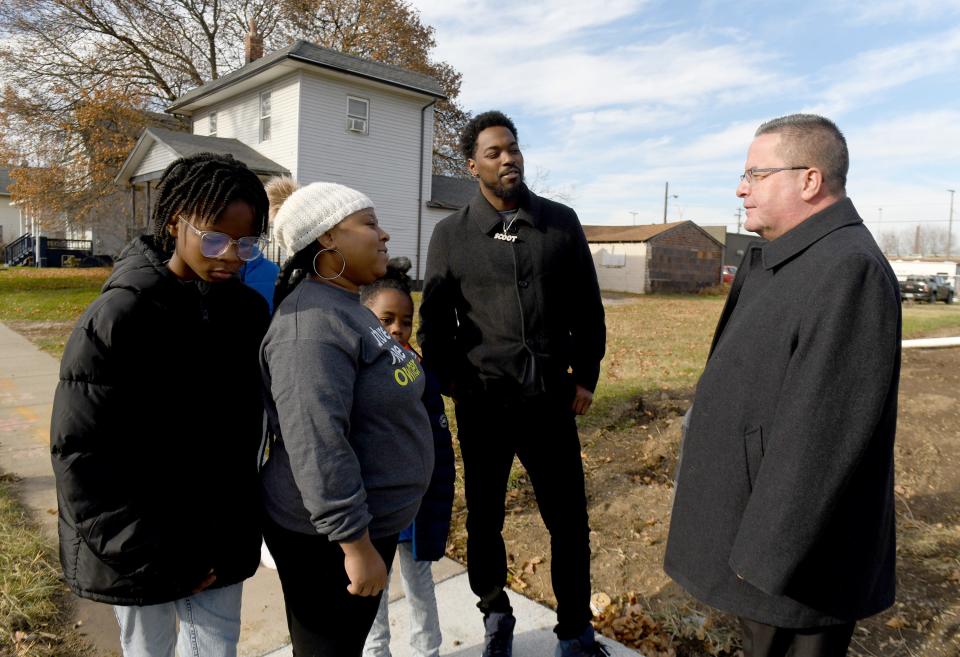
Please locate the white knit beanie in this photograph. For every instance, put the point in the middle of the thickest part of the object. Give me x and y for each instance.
(312, 210)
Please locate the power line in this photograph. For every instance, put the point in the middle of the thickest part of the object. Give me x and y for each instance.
(890, 222)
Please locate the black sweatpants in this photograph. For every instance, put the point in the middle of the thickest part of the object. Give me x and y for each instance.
(323, 618)
(760, 640)
(543, 434)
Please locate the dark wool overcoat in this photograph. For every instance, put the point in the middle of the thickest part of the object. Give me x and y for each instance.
(156, 424)
(784, 509)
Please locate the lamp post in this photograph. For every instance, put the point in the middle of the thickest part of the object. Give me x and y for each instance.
(634, 217)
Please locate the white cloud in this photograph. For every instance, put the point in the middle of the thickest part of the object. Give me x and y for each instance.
(677, 73)
(874, 72)
(886, 11)
(927, 137)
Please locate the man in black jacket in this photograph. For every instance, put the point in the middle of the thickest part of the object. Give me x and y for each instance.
(512, 323)
(784, 512)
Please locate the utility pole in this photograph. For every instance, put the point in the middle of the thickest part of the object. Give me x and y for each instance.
(739, 214)
(916, 242)
(634, 217)
(950, 223)
(666, 193)
(880, 215)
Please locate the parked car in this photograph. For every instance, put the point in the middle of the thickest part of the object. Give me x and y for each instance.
(926, 288)
(727, 273)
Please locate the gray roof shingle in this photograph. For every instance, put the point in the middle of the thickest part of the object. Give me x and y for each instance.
(305, 51)
(185, 144)
(451, 193)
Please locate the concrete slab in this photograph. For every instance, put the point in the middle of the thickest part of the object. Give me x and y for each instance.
(462, 625)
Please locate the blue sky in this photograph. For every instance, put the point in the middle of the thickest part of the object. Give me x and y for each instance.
(614, 98)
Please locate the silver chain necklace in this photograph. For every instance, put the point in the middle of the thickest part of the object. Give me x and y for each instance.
(508, 226)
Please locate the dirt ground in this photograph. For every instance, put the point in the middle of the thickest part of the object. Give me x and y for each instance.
(630, 467)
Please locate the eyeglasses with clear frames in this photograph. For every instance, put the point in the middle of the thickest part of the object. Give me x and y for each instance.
(750, 175)
(214, 244)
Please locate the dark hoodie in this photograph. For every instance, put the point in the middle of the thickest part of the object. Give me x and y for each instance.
(156, 424)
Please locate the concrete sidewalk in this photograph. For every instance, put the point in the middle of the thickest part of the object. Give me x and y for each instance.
(28, 378)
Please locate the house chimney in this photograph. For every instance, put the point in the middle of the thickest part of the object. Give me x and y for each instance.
(253, 43)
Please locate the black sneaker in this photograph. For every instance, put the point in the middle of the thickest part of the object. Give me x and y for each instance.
(498, 638)
(584, 645)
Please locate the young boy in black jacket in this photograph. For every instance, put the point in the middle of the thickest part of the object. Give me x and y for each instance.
(158, 416)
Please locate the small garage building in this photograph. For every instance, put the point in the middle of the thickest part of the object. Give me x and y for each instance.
(674, 257)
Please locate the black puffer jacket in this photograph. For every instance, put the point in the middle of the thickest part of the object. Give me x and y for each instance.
(156, 424)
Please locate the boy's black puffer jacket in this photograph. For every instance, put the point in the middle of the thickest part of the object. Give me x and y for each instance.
(154, 436)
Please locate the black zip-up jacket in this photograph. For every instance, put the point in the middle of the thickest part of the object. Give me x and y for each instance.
(511, 313)
(156, 424)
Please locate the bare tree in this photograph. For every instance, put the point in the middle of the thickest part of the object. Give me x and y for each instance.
(540, 185)
(889, 242)
(933, 240)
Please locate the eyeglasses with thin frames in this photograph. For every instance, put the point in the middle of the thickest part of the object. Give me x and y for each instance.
(214, 244)
(750, 175)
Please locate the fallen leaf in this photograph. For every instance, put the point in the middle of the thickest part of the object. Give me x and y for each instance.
(599, 602)
(897, 623)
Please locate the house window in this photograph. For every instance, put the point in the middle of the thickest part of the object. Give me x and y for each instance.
(265, 116)
(358, 110)
(213, 124)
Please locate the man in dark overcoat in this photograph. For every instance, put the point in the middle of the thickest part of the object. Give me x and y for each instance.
(784, 508)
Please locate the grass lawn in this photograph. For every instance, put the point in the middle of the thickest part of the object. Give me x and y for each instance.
(654, 343)
(32, 613)
(44, 304)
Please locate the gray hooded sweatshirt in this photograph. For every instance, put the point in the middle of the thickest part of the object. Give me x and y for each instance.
(353, 446)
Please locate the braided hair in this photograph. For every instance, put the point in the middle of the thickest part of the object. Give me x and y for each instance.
(201, 186)
(294, 270)
(395, 279)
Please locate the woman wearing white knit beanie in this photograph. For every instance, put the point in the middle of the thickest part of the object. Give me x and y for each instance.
(349, 452)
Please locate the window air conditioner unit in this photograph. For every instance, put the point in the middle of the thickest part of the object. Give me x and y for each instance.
(356, 125)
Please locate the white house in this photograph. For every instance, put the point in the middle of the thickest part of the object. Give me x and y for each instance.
(11, 226)
(319, 115)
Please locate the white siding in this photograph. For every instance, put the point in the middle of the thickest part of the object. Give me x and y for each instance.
(239, 118)
(9, 221)
(631, 277)
(431, 217)
(156, 159)
(384, 163)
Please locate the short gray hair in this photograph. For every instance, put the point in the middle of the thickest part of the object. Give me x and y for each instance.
(814, 141)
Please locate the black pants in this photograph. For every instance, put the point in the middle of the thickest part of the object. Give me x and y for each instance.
(543, 434)
(323, 618)
(760, 640)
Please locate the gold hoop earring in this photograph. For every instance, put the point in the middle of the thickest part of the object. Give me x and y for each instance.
(338, 274)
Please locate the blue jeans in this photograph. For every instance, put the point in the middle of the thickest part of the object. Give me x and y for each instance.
(209, 625)
(425, 635)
